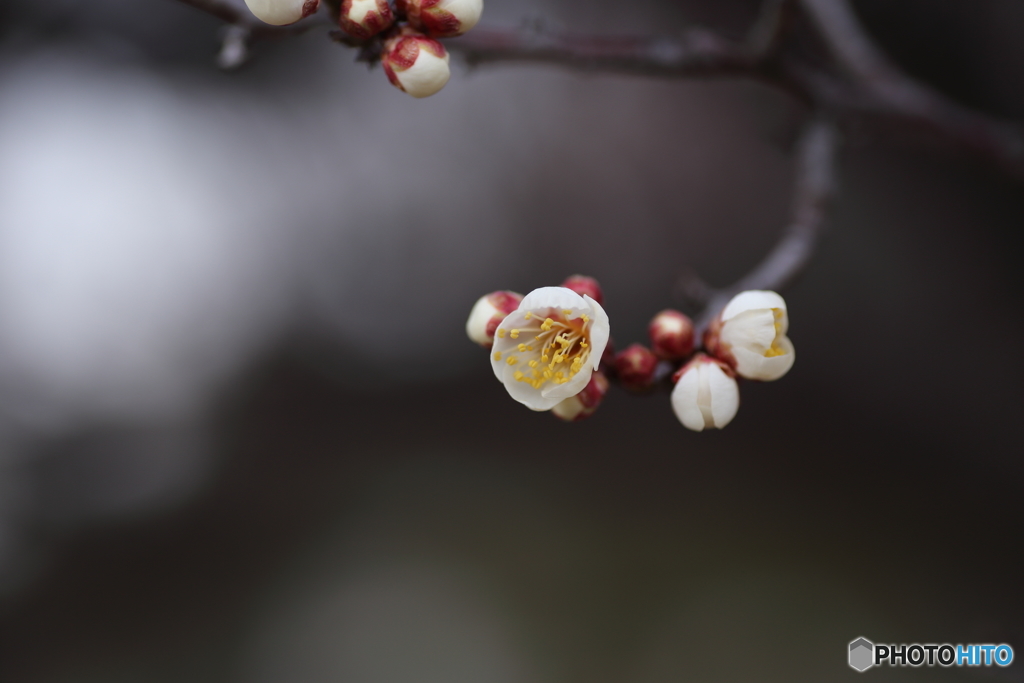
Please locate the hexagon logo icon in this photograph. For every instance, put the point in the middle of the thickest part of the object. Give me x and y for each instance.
(862, 654)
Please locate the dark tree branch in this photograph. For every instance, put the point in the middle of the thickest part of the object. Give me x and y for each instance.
(814, 188)
(873, 90)
(889, 91)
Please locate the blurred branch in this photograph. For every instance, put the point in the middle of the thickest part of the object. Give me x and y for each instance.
(897, 94)
(814, 188)
(870, 88)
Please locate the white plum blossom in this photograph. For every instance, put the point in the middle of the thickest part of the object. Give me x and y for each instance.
(488, 312)
(750, 334)
(706, 395)
(547, 349)
(416, 64)
(281, 12)
(442, 18)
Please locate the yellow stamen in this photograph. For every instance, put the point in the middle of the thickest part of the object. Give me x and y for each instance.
(519, 376)
(566, 311)
(529, 314)
(497, 355)
(586, 318)
(532, 363)
(512, 360)
(514, 334)
(501, 333)
(522, 348)
(546, 325)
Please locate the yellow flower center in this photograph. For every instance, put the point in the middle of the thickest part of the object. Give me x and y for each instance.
(776, 350)
(560, 351)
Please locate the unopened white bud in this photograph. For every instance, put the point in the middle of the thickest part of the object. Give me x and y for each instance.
(488, 312)
(706, 395)
(416, 64)
(281, 12)
(365, 18)
(584, 404)
(442, 18)
(750, 335)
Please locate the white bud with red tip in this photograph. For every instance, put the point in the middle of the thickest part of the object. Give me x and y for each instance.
(365, 18)
(750, 335)
(584, 404)
(487, 314)
(671, 335)
(281, 12)
(706, 395)
(442, 18)
(415, 63)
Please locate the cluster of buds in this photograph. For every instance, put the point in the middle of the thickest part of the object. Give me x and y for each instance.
(551, 349)
(405, 31)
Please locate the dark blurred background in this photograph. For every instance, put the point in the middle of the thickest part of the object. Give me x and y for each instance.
(243, 436)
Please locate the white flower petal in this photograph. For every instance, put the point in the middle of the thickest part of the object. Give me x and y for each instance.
(752, 299)
(725, 395)
(506, 346)
(526, 394)
(753, 330)
(753, 365)
(570, 388)
(684, 400)
(552, 297)
(600, 331)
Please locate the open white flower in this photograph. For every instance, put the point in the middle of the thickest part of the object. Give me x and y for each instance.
(546, 350)
(751, 336)
(281, 12)
(706, 395)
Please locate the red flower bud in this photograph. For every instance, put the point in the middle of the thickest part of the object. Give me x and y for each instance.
(671, 335)
(635, 367)
(581, 284)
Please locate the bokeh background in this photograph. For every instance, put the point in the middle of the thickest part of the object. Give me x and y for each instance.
(243, 437)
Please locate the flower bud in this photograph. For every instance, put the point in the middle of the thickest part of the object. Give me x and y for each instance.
(671, 335)
(706, 395)
(281, 12)
(635, 366)
(581, 284)
(442, 18)
(584, 404)
(750, 335)
(415, 64)
(487, 314)
(365, 18)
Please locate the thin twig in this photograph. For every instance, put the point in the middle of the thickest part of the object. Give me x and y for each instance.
(814, 187)
(875, 90)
